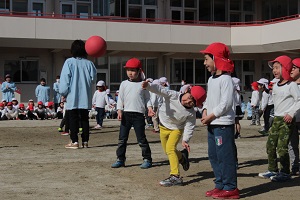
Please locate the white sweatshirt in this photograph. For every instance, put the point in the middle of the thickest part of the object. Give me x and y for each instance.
(286, 99)
(255, 98)
(220, 99)
(266, 100)
(172, 114)
(100, 99)
(132, 98)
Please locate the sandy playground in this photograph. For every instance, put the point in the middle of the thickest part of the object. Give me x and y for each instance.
(35, 165)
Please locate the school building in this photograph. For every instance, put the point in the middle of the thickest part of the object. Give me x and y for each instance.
(36, 36)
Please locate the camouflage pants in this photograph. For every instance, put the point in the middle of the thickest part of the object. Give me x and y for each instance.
(278, 139)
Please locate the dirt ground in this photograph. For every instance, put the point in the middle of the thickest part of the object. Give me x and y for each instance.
(35, 165)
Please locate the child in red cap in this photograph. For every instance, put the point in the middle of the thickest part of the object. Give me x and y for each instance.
(294, 139)
(10, 111)
(131, 108)
(30, 110)
(40, 111)
(286, 97)
(175, 122)
(22, 112)
(255, 104)
(219, 117)
(2, 111)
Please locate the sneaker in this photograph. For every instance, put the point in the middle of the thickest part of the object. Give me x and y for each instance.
(118, 164)
(211, 192)
(227, 194)
(185, 160)
(60, 129)
(148, 126)
(258, 124)
(65, 133)
(267, 174)
(263, 132)
(80, 129)
(237, 135)
(171, 181)
(156, 132)
(71, 145)
(85, 145)
(146, 164)
(280, 177)
(96, 127)
(252, 124)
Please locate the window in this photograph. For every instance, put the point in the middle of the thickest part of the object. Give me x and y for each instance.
(150, 68)
(67, 10)
(266, 71)
(220, 10)
(205, 8)
(201, 76)
(37, 8)
(4, 6)
(22, 71)
(150, 2)
(83, 10)
(176, 3)
(20, 7)
(100, 7)
(139, 2)
(135, 12)
(248, 65)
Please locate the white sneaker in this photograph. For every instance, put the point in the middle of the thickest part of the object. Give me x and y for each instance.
(97, 126)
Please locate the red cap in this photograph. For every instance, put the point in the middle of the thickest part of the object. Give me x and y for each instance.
(270, 86)
(9, 104)
(199, 94)
(1, 104)
(255, 85)
(50, 103)
(220, 54)
(296, 62)
(21, 105)
(40, 103)
(133, 63)
(286, 66)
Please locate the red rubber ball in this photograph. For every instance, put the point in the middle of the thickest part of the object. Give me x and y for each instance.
(95, 46)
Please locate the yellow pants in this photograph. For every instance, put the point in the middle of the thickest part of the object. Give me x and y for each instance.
(169, 140)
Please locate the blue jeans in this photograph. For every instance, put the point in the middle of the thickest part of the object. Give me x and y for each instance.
(100, 115)
(222, 156)
(137, 120)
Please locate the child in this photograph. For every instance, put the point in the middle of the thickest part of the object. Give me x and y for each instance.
(30, 110)
(249, 109)
(76, 79)
(219, 116)
(131, 109)
(60, 110)
(294, 139)
(4, 102)
(11, 112)
(15, 103)
(65, 120)
(238, 111)
(286, 97)
(40, 111)
(50, 111)
(255, 104)
(156, 101)
(2, 111)
(22, 113)
(99, 100)
(178, 118)
(42, 91)
(266, 104)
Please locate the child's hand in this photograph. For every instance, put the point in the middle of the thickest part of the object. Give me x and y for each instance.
(288, 119)
(145, 84)
(151, 113)
(186, 146)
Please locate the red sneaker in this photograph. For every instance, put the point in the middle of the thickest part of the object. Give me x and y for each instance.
(227, 194)
(211, 192)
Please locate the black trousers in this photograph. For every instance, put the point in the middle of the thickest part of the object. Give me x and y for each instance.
(77, 117)
(65, 122)
(267, 117)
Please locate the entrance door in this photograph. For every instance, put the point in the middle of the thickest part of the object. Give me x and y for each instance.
(37, 7)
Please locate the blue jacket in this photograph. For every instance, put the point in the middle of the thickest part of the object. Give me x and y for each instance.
(76, 79)
(42, 93)
(56, 95)
(8, 93)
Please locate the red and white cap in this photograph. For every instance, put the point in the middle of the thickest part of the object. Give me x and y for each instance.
(40, 103)
(9, 104)
(220, 54)
(296, 62)
(133, 63)
(199, 94)
(286, 66)
(254, 85)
